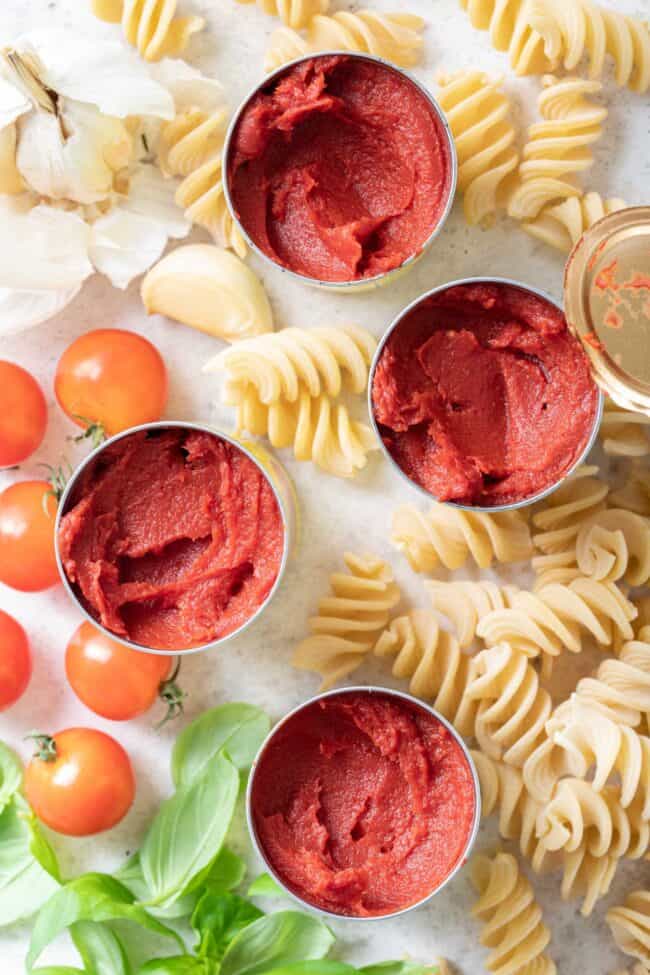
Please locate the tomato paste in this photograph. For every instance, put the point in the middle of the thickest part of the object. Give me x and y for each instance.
(173, 539)
(363, 803)
(340, 169)
(482, 395)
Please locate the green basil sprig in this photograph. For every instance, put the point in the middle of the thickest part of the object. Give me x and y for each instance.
(218, 919)
(237, 730)
(276, 939)
(28, 870)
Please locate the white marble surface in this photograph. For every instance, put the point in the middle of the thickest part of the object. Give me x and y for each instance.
(336, 516)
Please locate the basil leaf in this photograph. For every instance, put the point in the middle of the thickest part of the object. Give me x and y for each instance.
(188, 832)
(319, 967)
(100, 949)
(218, 919)
(57, 970)
(265, 886)
(91, 897)
(177, 965)
(132, 877)
(24, 884)
(274, 940)
(237, 729)
(399, 968)
(227, 871)
(11, 774)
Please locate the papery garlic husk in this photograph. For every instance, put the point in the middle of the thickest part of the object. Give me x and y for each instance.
(11, 181)
(72, 155)
(209, 289)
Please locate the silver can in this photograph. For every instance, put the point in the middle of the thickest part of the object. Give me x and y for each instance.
(362, 284)
(384, 692)
(272, 470)
(492, 509)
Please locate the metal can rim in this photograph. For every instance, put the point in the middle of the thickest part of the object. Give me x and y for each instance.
(481, 509)
(201, 428)
(354, 283)
(389, 692)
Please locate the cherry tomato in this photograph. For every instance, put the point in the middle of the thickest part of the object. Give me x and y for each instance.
(27, 516)
(23, 414)
(111, 378)
(113, 680)
(15, 661)
(79, 782)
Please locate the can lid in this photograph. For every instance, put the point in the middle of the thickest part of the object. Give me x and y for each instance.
(607, 304)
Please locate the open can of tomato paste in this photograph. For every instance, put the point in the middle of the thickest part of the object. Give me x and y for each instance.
(340, 169)
(363, 803)
(451, 417)
(173, 537)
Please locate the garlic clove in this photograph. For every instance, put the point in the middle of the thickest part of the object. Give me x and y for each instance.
(209, 289)
(11, 181)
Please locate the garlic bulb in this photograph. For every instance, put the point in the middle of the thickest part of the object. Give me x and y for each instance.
(209, 289)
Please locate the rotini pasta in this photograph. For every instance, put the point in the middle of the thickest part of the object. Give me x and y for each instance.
(510, 31)
(512, 706)
(561, 225)
(395, 37)
(513, 925)
(574, 28)
(478, 112)
(465, 603)
(503, 790)
(556, 617)
(557, 147)
(624, 433)
(448, 536)
(350, 620)
(634, 495)
(150, 25)
(588, 877)
(630, 925)
(293, 13)
(431, 660)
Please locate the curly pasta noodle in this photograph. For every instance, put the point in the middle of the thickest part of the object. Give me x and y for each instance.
(510, 31)
(630, 925)
(448, 536)
(573, 29)
(561, 225)
(512, 706)
(556, 617)
(150, 25)
(350, 620)
(293, 13)
(513, 926)
(395, 37)
(478, 112)
(557, 147)
(624, 433)
(588, 877)
(465, 603)
(431, 660)
(634, 495)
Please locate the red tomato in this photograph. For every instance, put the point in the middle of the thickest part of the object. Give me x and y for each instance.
(112, 378)
(27, 515)
(111, 679)
(23, 414)
(15, 661)
(79, 782)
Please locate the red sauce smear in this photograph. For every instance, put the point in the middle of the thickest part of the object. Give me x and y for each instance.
(173, 540)
(363, 803)
(482, 395)
(340, 169)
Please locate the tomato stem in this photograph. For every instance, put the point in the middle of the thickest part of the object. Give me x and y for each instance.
(173, 696)
(46, 750)
(93, 431)
(58, 477)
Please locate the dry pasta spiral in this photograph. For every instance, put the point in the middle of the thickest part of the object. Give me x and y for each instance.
(431, 660)
(624, 433)
(503, 790)
(621, 686)
(557, 147)
(512, 706)
(587, 876)
(350, 620)
(465, 603)
(556, 617)
(513, 926)
(634, 495)
(394, 36)
(630, 925)
(150, 25)
(478, 112)
(510, 31)
(448, 536)
(575, 28)
(293, 13)
(561, 225)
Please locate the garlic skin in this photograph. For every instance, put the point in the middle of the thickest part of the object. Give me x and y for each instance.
(11, 181)
(209, 289)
